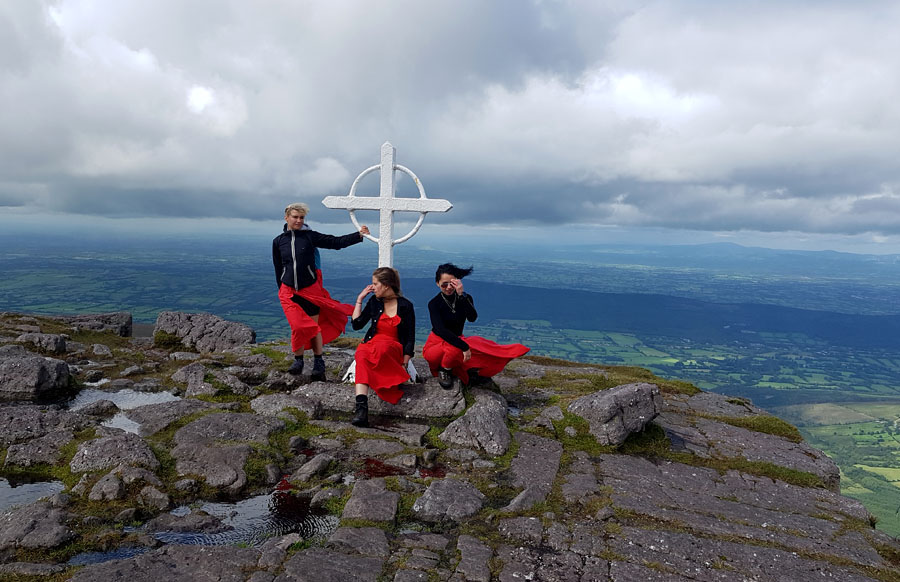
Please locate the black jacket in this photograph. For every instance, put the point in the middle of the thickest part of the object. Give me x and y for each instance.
(293, 254)
(448, 325)
(406, 331)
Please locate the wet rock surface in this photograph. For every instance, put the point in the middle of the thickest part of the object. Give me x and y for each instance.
(432, 490)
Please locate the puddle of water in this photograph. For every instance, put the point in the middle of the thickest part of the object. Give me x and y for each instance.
(85, 558)
(17, 492)
(256, 520)
(125, 399)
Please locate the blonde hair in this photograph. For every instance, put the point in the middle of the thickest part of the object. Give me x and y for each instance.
(298, 206)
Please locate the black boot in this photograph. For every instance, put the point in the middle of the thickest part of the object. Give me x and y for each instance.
(445, 379)
(318, 369)
(361, 418)
(475, 379)
(297, 366)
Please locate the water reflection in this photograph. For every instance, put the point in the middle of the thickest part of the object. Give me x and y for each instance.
(255, 520)
(125, 399)
(16, 491)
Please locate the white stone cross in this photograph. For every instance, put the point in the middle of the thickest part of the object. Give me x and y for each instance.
(387, 204)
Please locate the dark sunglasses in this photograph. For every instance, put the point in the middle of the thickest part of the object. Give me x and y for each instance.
(446, 284)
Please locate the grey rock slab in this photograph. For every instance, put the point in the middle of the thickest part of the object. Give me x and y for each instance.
(196, 521)
(417, 402)
(100, 408)
(371, 500)
(101, 350)
(119, 323)
(406, 575)
(448, 498)
(272, 404)
(174, 562)
(212, 446)
(31, 377)
(204, 332)
(429, 541)
(184, 356)
(407, 433)
(534, 468)
(376, 447)
(154, 498)
(21, 423)
(30, 569)
(483, 426)
(322, 565)
(525, 529)
(108, 488)
(38, 525)
(153, 418)
(228, 427)
(708, 438)
(315, 466)
(705, 558)
(367, 541)
(132, 371)
(615, 413)
(579, 487)
(475, 556)
(112, 449)
(44, 449)
(704, 502)
(713, 404)
(50, 343)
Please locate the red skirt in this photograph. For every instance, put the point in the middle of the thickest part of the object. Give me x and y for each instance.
(488, 357)
(332, 315)
(379, 361)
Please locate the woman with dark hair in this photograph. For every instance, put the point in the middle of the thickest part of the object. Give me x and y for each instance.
(315, 318)
(388, 346)
(450, 354)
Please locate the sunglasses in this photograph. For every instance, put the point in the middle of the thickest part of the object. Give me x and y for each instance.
(446, 284)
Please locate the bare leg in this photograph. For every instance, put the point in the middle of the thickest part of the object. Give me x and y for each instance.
(317, 345)
(362, 389)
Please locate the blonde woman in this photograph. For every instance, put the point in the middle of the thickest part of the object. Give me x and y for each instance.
(315, 318)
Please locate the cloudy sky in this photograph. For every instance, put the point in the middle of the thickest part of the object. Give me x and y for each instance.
(778, 121)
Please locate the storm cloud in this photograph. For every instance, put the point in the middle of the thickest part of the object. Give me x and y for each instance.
(764, 116)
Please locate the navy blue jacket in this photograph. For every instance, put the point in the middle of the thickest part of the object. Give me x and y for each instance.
(293, 254)
(406, 331)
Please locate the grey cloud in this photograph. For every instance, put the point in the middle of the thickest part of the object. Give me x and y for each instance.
(709, 115)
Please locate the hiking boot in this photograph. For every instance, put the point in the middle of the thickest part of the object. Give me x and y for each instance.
(445, 379)
(297, 367)
(475, 379)
(318, 369)
(361, 415)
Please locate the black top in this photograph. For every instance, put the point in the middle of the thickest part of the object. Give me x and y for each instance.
(448, 325)
(406, 331)
(293, 254)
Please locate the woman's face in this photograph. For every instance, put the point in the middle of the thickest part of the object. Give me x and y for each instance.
(294, 219)
(446, 284)
(380, 289)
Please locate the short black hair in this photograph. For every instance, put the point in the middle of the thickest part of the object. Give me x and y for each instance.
(451, 269)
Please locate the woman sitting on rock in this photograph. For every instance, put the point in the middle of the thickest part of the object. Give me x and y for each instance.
(450, 354)
(315, 318)
(388, 346)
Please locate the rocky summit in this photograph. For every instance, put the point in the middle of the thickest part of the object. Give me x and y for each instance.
(555, 471)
